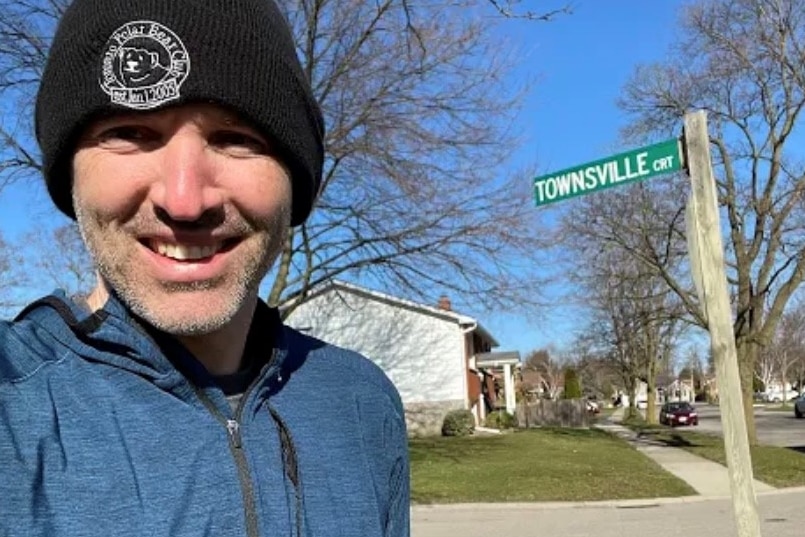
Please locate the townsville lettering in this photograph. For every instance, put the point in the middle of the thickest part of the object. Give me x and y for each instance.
(624, 168)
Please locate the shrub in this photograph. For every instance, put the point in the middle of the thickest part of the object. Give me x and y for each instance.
(458, 423)
(501, 420)
(572, 384)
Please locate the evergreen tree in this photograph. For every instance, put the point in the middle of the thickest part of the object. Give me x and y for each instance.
(572, 384)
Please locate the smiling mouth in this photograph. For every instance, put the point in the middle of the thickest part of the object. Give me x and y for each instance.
(188, 252)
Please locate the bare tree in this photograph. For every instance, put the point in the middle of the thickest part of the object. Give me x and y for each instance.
(511, 9)
(741, 61)
(608, 334)
(544, 372)
(26, 28)
(419, 128)
(786, 350)
(691, 373)
(637, 317)
(9, 280)
(57, 258)
(419, 107)
(792, 332)
(766, 368)
(597, 374)
(13, 279)
(797, 373)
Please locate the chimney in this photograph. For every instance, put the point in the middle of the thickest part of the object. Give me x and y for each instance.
(444, 303)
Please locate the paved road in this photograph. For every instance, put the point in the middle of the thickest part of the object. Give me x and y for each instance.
(781, 516)
(773, 428)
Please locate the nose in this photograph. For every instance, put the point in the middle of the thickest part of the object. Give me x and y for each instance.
(186, 188)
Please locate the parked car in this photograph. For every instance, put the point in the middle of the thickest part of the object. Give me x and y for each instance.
(799, 407)
(678, 413)
(777, 397)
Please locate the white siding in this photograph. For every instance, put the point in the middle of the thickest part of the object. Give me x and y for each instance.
(421, 354)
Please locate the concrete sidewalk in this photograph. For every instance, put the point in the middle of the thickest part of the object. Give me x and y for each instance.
(706, 477)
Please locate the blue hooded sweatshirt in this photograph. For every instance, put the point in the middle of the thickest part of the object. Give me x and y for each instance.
(106, 431)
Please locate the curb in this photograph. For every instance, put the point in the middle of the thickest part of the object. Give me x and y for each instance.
(636, 503)
(539, 506)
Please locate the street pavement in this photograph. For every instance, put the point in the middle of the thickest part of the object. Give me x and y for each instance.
(774, 428)
(781, 516)
(709, 513)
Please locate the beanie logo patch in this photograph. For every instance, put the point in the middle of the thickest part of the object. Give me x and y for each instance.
(143, 65)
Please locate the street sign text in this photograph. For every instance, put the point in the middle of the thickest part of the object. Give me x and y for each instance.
(635, 165)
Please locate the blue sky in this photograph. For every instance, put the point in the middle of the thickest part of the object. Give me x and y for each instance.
(580, 63)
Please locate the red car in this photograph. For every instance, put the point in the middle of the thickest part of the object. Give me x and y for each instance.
(678, 413)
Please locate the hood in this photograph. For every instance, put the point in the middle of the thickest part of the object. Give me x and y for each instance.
(114, 336)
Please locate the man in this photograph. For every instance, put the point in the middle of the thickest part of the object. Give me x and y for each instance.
(184, 139)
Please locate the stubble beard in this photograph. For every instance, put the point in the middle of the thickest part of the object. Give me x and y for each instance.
(151, 300)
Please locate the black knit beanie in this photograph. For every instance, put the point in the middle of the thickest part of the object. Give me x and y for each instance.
(111, 55)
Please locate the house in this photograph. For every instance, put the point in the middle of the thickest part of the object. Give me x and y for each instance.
(438, 359)
(777, 392)
(681, 390)
(499, 366)
(641, 395)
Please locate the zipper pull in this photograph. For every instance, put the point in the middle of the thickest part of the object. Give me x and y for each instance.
(233, 428)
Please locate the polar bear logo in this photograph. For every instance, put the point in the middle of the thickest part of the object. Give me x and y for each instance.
(143, 65)
(140, 67)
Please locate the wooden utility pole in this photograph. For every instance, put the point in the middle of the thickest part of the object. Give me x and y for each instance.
(707, 265)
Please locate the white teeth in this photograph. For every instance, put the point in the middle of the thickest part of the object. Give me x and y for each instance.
(185, 253)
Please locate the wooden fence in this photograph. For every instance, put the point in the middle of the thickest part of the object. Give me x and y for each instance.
(547, 413)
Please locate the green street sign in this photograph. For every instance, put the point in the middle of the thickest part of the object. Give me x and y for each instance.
(620, 169)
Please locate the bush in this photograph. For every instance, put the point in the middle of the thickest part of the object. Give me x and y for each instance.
(572, 384)
(458, 423)
(500, 420)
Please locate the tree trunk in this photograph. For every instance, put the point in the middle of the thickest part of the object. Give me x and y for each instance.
(747, 355)
(632, 411)
(283, 270)
(651, 392)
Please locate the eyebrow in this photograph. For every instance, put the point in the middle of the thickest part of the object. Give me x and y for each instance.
(213, 115)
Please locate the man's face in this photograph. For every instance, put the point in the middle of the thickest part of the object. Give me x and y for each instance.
(184, 211)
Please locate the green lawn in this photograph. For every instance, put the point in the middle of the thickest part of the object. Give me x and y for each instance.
(776, 466)
(535, 465)
(605, 413)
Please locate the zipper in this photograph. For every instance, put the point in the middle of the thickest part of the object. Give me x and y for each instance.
(235, 439)
(233, 428)
(236, 447)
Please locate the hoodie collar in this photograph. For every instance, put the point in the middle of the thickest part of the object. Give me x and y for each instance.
(114, 336)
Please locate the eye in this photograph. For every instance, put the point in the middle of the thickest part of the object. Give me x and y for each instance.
(238, 141)
(136, 134)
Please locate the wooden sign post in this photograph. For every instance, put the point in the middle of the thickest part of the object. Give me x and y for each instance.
(707, 264)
